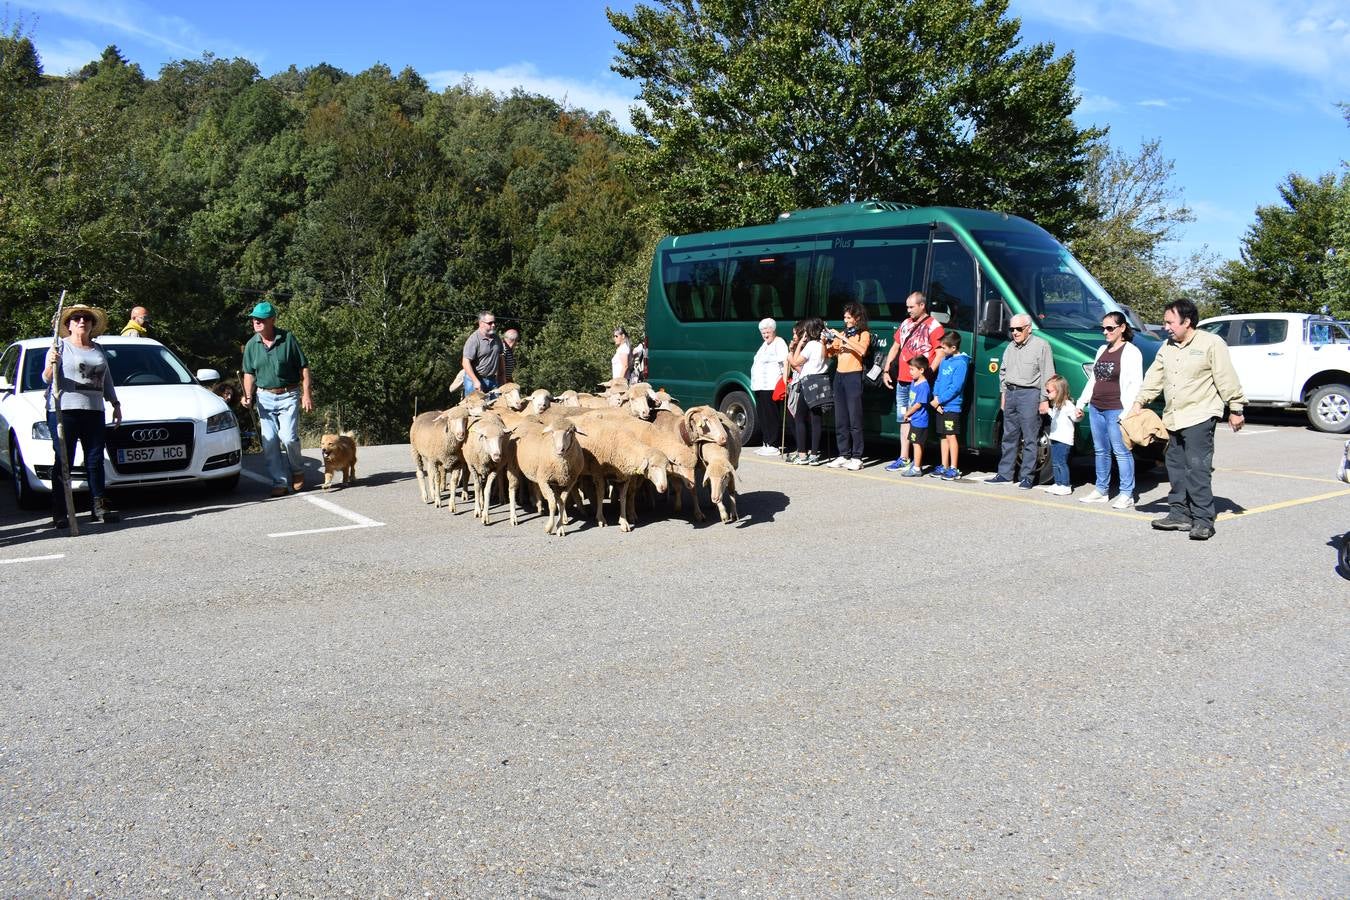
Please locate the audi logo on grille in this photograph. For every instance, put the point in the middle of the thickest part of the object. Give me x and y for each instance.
(145, 435)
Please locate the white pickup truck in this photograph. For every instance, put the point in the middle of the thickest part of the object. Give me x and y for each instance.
(1291, 359)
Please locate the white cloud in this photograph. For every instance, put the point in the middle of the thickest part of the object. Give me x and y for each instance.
(1090, 103)
(64, 55)
(594, 95)
(136, 20)
(1304, 36)
(1162, 104)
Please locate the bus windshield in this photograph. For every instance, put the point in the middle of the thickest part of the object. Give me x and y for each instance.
(1052, 286)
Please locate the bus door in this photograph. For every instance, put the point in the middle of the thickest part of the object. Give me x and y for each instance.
(991, 339)
(953, 290)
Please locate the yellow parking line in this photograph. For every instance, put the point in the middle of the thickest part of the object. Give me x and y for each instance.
(1000, 493)
(1283, 504)
(990, 493)
(1276, 475)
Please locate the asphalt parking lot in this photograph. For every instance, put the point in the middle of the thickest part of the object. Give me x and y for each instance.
(868, 686)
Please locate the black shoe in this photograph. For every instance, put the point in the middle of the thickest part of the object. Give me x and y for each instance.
(60, 523)
(1201, 532)
(99, 512)
(1170, 522)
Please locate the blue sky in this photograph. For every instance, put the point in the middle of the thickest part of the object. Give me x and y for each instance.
(1240, 92)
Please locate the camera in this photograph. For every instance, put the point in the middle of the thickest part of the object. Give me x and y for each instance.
(829, 334)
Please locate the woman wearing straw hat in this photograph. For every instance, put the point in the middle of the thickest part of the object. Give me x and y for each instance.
(85, 383)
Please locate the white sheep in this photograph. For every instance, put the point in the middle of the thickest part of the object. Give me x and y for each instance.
(617, 446)
(435, 439)
(485, 451)
(720, 462)
(550, 458)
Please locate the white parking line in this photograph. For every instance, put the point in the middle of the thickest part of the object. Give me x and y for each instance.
(24, 559)
(327, 505)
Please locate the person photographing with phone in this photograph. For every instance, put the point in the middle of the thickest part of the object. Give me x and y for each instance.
(849, 347)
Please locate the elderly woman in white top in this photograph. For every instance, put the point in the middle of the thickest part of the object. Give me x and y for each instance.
(764, 374)
(1113, 383)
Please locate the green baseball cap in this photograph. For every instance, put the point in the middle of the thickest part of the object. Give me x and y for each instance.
(263, 310)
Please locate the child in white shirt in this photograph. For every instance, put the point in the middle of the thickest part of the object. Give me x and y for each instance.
(1062, 416)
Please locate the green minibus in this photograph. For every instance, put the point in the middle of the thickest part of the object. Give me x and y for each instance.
(709, 291)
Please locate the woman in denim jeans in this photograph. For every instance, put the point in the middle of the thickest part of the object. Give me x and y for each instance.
(1113, 384)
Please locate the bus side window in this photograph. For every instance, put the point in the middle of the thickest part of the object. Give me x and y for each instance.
(694, 289)
(878, 269)
(951, 284)
(766, 284)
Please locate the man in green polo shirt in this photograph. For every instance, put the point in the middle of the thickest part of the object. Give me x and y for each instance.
(275, 365)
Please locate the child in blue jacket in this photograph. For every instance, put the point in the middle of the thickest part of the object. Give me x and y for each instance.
(948, 390)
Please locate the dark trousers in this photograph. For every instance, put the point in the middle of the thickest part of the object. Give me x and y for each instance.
(848, 388)
(85, 426)
(1021, 429)
(807, 416)
(1190, 467)
(770, 415)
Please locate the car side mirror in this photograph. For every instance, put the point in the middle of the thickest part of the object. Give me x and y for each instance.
(994, 322)
(207, 375)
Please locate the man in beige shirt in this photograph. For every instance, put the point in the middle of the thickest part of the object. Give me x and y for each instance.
(1195, 374)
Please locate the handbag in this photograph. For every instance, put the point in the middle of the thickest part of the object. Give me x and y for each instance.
(779, 390)
(818, 391)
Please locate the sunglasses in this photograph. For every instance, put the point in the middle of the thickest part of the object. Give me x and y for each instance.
(1020, 328)
(1107, 329)
(82, 317)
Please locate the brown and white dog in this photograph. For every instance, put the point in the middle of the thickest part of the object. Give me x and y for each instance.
(339, 455)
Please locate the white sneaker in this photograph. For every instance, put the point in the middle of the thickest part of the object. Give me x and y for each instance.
(1048, 488)
(1123, 501)
(1059, 490)
(766, 450)
(853, 465)
(1095, 497)
(837, 463)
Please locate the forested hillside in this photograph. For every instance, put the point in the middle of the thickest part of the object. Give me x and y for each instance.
(378, 214)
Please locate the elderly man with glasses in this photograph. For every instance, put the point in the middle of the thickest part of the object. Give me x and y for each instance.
(1027, 366)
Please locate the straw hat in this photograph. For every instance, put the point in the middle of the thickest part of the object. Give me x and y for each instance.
(100, 319)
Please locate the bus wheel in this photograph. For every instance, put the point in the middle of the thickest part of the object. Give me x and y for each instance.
(1044, 471)
(739, 408)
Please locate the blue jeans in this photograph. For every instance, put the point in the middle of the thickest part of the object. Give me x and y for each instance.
(902, 400)
(484, 385)
(86, 426)
(1059, 460)
(279, 419)
(1107, 442)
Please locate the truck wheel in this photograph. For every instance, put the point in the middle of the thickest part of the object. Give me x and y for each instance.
(1329, 408)
(739, 408)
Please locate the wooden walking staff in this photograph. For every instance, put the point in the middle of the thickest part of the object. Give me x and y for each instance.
(62, 457)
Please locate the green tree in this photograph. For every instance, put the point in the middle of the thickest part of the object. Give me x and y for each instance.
(1139, 210)
(1291, 255)
(752, 107)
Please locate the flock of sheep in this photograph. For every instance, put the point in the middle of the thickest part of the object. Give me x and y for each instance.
(560, 447)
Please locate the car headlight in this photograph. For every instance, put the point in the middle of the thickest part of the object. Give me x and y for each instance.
(223, 421)
(41, 432)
